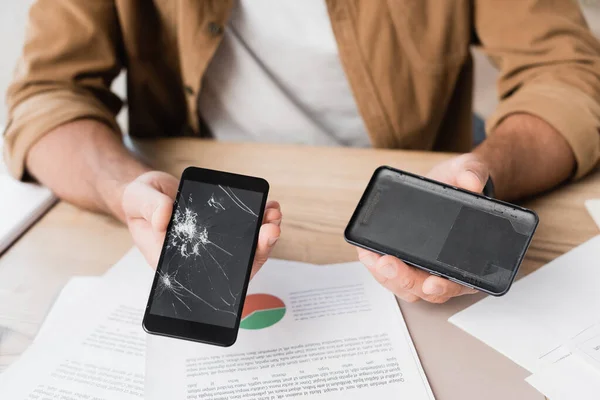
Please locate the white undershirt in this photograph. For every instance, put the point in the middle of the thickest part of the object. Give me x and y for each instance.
(277, 77)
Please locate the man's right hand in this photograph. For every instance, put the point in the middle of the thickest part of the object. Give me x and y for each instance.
(110, 180)
(148, 203)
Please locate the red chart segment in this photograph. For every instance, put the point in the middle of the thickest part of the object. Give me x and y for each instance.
(259, 302)
(261, 311)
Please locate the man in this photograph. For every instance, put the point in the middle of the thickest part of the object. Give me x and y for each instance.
(395, 74)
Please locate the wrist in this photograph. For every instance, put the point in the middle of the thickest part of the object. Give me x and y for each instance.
(525, 155)
(495, 154)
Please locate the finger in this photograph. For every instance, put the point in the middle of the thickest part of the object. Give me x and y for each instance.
(436, 299)
(473, 176)
(267, 237)
(407, 297)
(440, 287)
(470, 180)
(161, 217)
(144, 202)
(169, 187)
(272, 216)
(398, 277)
(146, 241)
(165, 183)
(405, 281)
(273, 204)
(368, 258)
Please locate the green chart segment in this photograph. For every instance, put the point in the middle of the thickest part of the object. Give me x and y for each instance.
(261, 311)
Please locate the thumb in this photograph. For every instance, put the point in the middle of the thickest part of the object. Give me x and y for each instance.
(141, 201)
(473, 176)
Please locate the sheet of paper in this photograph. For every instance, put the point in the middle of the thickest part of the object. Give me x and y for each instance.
(585, 346)
(543, 311)
(567, 379)
(593, 207)
(8, 336)
(330, 331)
(572, 371)
(92, 345)
(18, 327)
(128, 270)
(65, 306)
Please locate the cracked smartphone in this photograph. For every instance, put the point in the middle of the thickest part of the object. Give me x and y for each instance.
(204, 267)
(468, 238)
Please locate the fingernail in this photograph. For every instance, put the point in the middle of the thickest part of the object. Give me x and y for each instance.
(434, 290)
(272, 241)
(368, 261)
(388, 270)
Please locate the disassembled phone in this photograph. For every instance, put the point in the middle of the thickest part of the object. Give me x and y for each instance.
(204, 267)
(465, 237)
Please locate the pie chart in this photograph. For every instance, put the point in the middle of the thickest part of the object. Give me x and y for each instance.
(261, 311)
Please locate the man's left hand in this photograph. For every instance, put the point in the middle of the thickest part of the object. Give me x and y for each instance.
(409, 283)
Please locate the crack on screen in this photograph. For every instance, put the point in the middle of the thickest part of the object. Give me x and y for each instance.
(229, 192)
(205, 244)
(214, 203)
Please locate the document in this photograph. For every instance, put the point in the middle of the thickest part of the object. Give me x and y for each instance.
(307, 330)
(572, 371)
(91, 345)
(548, 323)
(76, 289)
(567, 379)
(131, 273)
(542, 311)
(593, 207)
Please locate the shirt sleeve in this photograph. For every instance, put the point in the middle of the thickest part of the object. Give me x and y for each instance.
(69, 60)
(549, 64)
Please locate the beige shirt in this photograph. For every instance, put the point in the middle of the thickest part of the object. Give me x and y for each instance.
(281, 82)
(407, 62)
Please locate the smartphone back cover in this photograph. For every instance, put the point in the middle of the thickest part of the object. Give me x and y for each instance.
(458, 234)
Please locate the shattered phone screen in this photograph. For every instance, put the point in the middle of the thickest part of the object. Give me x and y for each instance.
(206, 255)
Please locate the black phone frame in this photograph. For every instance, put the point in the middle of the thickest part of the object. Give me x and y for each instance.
(472, 282)
(197, 331)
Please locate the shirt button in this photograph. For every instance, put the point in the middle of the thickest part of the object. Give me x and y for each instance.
(189, 90)
(214, 28)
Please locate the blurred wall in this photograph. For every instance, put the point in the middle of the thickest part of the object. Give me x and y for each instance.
(13, 14)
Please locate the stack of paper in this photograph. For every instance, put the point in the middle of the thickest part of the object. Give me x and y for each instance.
(21, 204)
(549, 323)
(341, 336)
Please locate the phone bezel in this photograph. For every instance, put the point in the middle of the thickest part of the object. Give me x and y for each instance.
(197, 331)
(406, 258)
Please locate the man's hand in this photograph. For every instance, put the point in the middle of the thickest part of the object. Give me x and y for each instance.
(409, 283)
(524, 155)
(148, 204)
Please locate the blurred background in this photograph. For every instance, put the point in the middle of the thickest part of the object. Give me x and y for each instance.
(13, 15)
